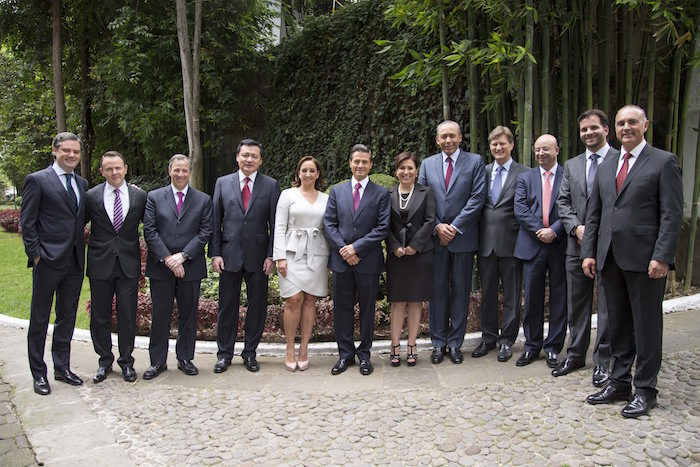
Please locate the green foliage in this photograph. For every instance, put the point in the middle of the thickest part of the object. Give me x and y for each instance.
(330, 90)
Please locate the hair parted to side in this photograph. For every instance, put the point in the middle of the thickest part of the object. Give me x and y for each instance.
(320, 181)
(65, 136)
(249, 142)
(499, 131)
(404, 156)
(179, 157)
(360, 148)
(604, 120)
(112, 154)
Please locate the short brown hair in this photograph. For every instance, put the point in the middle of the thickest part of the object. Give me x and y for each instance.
(404, 156)
(112, 154)
(320, 181)
(499, 131)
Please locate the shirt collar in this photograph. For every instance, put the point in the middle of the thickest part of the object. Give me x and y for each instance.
(122, 188)
(453, 156)
(506, 165)
(637, 150)
(59, 170)
(363, 183)
(242, 176)
(602, 152)
(553, 170)
(184, 190)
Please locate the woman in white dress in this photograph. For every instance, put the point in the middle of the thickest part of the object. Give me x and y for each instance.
(301, 253)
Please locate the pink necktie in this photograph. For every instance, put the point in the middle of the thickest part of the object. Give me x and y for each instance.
(546, 199)
(118, 216)
(180, 196)
(622, 174)
(245, 193)
(356, 196)
(448, 173)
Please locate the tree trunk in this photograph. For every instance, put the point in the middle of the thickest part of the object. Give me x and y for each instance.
(546, 84)
(443, 70)
(650, 92)
(588, 50)
(190, 84)
(565, 93)
(687, 91)
(57, 64)
(86, 104)
(528, 90)
(629, 37)
(693, 219)
(473, 90)
(674, 79)
(605, 52)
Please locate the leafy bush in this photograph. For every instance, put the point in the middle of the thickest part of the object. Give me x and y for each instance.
(9, 220)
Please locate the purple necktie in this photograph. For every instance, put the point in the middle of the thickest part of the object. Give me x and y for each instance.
(356, 196)
(448, 173)
(180, 196)
(118, 214)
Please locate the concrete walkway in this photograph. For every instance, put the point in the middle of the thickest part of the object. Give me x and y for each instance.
(479, 413)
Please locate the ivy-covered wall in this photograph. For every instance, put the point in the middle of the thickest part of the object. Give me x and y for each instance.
(330, 89)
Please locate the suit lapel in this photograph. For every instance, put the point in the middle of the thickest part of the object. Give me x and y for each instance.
(187, 202)
(395, 198)
(510, 179)
(457, 167)
(579, 174)
(416, 201)
(363, 200)
(170, 200)
(58, 185)
(236, 187)
(642, 159)
(439, 175)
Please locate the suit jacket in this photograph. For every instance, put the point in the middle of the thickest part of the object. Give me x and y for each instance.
(459, 205)
(51, 228)
(106, 245)
(642, 222)
(364, 229)
(244, 238)
(167, 233)
(528, 210)
(420, 220)
(573, 198)
(498, 227)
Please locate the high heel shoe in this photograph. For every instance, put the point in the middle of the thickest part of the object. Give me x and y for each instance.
(303, 364)
(395, 357)
(411, 357)
(290, 366)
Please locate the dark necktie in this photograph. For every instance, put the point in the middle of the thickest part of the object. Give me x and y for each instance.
(448, 173)
(622, 174)
(245, 193)
(71, 192)
(117, 219)
(497, 185)
(180, 196)
(356, 196)
(546, 198)
(591, 172)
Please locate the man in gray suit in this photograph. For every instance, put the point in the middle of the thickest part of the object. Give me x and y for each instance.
(579, 174)
(498, 229)
(52, 220)
(458, 181)
(632, 225)
(177, 225)
(245, 203)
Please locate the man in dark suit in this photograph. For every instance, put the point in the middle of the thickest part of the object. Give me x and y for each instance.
(498, 229)
(579, 174)
(115, 210)
(632, 226)
(458, 181)
(241, 248)
(356, 222)
(52, 218)
(177, 225)
(541, 245)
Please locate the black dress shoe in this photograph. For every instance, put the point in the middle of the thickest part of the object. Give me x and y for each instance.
(455, 355)
(41, 387)
(566, 367)
(437, 356)
(153, 371)
(600, 376)
(222, 365)
(251, 364)
(187, 367)
(609, 394)
(482, 349)
(504, 353)
(526, 358)
(366, 367)
(552, 360)
(129, 374)
(101, 374)
(638, 406)
(67, 376)
(341, 365)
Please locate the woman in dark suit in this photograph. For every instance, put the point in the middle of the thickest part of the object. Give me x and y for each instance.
(409, 267)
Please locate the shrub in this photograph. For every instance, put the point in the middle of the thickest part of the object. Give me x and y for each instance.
(9, 220)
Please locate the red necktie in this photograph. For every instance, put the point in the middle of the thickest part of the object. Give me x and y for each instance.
(448, 173)
(179, 202)
(622, 174)
(546, 199)
(356, 196)
(245, 193)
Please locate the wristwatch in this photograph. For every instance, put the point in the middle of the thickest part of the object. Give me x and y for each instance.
(185, 255)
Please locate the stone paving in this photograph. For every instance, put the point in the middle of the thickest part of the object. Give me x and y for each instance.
(479, 413)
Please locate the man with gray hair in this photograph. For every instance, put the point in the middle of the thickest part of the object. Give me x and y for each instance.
(177, 225)
(52, 218)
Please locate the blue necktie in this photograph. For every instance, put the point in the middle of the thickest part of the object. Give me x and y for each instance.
(591, 172)
(497, 185)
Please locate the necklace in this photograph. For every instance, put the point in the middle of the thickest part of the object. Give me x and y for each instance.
(403, 203)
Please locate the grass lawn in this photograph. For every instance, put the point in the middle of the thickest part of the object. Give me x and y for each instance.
(16, 282)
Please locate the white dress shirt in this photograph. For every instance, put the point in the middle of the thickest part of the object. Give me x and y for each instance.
(108, 198)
